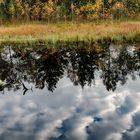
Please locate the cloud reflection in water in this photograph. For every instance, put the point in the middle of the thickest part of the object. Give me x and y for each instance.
(72, 112)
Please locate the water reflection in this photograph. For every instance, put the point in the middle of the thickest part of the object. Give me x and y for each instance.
(44, 67)
(88, 100)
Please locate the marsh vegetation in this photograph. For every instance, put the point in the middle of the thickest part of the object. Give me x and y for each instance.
(111, 31)
(54, 20)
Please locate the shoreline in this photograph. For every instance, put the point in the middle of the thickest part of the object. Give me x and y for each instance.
(113, 32)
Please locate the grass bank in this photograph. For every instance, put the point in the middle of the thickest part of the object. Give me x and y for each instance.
(116, 32)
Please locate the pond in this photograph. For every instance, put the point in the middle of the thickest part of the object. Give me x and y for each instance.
(70, 93)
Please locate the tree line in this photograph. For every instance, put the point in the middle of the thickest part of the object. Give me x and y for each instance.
(52, 10)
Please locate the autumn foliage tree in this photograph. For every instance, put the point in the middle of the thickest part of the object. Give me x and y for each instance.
(52, 10)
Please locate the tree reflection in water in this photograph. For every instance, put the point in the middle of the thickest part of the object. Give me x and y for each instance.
(44, 67)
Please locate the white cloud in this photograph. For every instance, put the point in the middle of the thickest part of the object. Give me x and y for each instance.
(41, 114)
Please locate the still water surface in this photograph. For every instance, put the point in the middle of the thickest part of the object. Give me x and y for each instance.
(70, 94)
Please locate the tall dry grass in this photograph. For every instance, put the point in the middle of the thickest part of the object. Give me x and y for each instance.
(71, 31)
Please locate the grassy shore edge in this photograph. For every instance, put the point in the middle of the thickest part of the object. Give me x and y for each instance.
(123, 32)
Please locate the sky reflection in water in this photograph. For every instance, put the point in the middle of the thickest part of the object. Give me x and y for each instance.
(88, 101)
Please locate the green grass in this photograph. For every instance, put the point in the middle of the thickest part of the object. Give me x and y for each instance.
(43, 33)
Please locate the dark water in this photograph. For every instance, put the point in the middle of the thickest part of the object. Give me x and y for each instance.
(70, 94)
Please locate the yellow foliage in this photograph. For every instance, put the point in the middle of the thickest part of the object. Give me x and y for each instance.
(91, 10)
(1, 1)
(92, 7)
(50, 7)
(118, 5)
(49, 10)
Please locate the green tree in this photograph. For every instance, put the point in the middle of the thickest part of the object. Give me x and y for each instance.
(10, 9)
